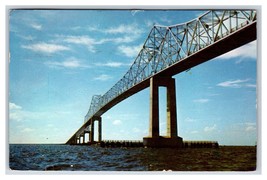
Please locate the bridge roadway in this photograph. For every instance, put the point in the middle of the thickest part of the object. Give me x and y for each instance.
(240, 37)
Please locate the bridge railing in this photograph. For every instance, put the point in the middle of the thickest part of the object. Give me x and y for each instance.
(166, 45)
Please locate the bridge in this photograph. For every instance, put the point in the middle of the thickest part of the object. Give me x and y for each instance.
(167, 51)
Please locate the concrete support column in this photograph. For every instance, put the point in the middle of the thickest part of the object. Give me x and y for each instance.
(154, 139)
(171, 109)
(99, 129)
(83, 138)
(154, 108)
(92, 130)
(89, 132)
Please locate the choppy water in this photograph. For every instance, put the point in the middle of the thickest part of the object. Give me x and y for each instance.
(90, 158)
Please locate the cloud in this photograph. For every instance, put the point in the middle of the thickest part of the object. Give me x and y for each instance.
(20, 115)
(82, 40)
(90, 43)
(16, 116)
(124, 39)
(103, 77)
(247, 51)
(194, 132)
(123, 33)
(130, 51)
(13, 106)
(210, 129)
(189, 120)
(112, 64)
(250, 85)
(25, 130)
(68, 63)
(117, 122)
(201, 100)
(249, 127)
(28, 38)
(36, 26)
(133, 12)
(237, 83)
(132, 29)
(45, 47)
(15, 112)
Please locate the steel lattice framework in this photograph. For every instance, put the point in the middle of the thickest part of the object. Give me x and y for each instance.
(167, 45)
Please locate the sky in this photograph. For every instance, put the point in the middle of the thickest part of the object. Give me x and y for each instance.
(59, 59)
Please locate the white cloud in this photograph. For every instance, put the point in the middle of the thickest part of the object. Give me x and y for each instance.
(210, 129)
(103, 77)
(82, 40)
(237, 83)
(36, 26)
(129, 32)
(201, 100)
(189, 120)
(251, 85)
(25, 130)
(18, 114)
(133, 12)
(117, 122)
(13, 106)
(194, 132)
(45, 47)
(124, 39)
(132, 29)
(112, 64)
(130, 51)
(28, 38)
(85, 40)
(68, 63)
(247, 51)
(249, 127)
(15, 112)
(90, 43)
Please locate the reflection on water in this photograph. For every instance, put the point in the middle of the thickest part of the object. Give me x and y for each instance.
(89, 158)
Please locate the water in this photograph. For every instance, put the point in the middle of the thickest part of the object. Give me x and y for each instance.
(91, 158)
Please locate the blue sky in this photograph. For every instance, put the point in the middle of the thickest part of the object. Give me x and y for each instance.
(59, 59)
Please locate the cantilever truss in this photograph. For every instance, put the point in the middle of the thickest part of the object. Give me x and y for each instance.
(166, 45)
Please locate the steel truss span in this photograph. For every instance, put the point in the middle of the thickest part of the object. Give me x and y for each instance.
(169, 50)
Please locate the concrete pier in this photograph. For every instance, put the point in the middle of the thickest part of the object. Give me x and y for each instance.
(92, 130)
(154, 139)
